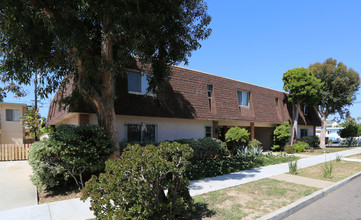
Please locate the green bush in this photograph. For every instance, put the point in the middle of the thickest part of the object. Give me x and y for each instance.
(312, 141)
(236, 138)
(281, 135)
(205, 148)
(276, 148)
(255, 144)
(220, 166)
(293, 167)
(132, 187)
(70, 151)
(300, 146)
(289, 149)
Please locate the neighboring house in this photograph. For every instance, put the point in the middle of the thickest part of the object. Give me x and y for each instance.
(194, 105)
(332, 131)
(11, 129)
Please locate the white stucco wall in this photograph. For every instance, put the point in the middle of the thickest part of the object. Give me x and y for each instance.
(309, 130)
(167, 128)
(12, 132)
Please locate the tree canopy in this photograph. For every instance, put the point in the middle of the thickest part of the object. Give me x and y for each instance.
(303, 88)
(351, 130)
(338, 90)
(91, 42)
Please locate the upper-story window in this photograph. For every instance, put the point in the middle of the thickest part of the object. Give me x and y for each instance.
(210, 91)
(13, 114)
(243, 98)
(137, 83)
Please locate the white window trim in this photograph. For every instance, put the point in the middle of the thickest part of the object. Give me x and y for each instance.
(142, 74)
(205, 130)
(140, 123)
(249, 99)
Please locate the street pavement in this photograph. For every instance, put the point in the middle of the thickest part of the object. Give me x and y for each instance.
(341, 204)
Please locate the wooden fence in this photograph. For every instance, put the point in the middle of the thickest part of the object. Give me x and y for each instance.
(14, 151)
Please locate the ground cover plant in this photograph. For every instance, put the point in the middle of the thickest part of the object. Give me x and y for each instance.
(132, 187)
(249, 201)
(340, 170)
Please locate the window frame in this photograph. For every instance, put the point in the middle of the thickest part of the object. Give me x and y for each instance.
(210, 94)
(248, 97)
(143, 77)
(140, 125)
(208, 132)
(302, 130)
(13, 115)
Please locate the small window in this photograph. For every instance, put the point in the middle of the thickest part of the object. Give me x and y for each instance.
(209, 91)
(276, 102)
(137, 83)
(243, 98)
(305, 110)
(304, 132)
(141, 132)
(13, 115)
(208, 131)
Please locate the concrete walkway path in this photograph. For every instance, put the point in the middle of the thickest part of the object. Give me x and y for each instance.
(16, 189)
(76, 209)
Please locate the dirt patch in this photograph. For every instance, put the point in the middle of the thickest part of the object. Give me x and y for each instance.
(54, 195)
(357, 156)
(340, 170)
(252, 200)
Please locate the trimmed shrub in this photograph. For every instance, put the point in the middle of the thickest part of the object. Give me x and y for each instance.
(132, 187)
(205, 148)
(312, 141)
(255, 144)
(281, 135)
(236, 138)
(70, 151)
(289, 149)
(300, 146)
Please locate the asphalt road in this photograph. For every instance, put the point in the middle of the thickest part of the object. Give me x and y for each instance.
(343, 204)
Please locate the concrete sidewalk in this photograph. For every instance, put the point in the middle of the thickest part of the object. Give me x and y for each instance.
(16, 189)
(76, 209)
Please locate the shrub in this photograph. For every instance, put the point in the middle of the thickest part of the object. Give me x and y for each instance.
(289, 149)
(132, 187)
(293, 167)
(312, 141)
(205, 148)
(338, 158)
(300, 146)
(327, 170)
(276, 147)
(70, 151)
(281, 135)
(255, 144)
(236, 138)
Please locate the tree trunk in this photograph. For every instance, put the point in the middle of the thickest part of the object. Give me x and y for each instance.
(295, 122)
(323, 131)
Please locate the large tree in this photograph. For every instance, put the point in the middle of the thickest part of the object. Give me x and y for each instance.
(339, 88)
(303, 88)
(92, 42)
(351, 130)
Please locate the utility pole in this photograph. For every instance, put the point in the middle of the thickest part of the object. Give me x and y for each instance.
(36, 106)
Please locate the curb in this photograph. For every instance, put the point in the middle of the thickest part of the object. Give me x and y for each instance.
(294, 207)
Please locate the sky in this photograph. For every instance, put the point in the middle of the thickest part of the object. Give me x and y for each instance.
(257, 41)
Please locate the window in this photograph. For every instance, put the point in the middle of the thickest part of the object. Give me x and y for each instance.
(243, 98)
(208, 131)
(209, 91)
(141, 132)
(12, 114)
(137, 83)
(305, 110)
(276, 102)
(304, 132)
(328, 132)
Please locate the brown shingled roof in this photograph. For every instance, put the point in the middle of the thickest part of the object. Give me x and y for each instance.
(186, 97)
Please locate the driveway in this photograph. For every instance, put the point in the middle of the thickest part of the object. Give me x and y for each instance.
(16, 189)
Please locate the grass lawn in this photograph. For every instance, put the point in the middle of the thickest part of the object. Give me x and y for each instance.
(340, 170)
(319, 151)
(356, 156)
(249, 201)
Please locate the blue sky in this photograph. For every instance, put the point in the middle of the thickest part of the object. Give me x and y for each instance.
(257, 41)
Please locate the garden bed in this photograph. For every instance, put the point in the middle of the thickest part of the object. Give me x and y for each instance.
(58, 194)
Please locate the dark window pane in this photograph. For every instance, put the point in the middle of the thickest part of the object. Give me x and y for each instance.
(134, 82)
(134, 133)
(9, 115)
(239, 97)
